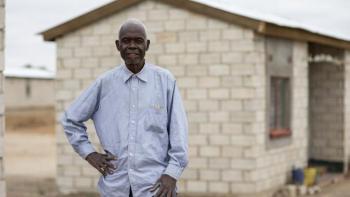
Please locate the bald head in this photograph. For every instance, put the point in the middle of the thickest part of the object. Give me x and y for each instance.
(133, 44)
(132, 25)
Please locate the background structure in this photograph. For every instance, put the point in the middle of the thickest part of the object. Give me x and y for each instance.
(31, 99)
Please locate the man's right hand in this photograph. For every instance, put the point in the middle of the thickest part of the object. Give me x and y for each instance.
(102, 162)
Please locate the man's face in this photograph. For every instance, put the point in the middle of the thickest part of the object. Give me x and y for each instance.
(132, 44)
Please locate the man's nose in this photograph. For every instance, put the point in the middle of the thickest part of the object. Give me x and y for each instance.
(132, 44)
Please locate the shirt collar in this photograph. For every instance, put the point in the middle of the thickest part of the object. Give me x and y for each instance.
(142, 75)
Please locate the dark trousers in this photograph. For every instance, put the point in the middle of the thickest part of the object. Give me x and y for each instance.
(130, 195)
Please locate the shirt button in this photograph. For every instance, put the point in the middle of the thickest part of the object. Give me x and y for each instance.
(130, 170)
(133, 106)
(131, 154)
(133, 122)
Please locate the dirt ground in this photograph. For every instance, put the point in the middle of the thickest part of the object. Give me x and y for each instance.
(30, 161)
(341, 189)
(30, 153)
(30, 165)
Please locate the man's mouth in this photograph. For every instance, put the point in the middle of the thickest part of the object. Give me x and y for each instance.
(132, 54)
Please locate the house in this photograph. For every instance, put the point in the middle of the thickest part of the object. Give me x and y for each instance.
(32, 103)
(262, 94)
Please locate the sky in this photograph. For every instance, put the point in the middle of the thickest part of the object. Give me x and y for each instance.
(25, 19)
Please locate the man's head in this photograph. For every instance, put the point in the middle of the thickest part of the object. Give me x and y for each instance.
(133, 44)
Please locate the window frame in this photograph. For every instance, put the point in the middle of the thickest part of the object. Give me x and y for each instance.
(276, 132)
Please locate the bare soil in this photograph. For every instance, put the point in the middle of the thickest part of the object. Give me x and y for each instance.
(30, 161)
(30, 153)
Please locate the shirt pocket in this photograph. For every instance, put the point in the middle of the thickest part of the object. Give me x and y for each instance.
(156, 119)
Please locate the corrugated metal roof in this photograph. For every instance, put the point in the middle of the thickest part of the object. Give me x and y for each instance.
(230, 6)
(29, 72)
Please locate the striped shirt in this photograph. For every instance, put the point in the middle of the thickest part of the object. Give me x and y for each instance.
(140, 119)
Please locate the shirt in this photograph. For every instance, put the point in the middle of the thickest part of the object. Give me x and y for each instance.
(140, 119)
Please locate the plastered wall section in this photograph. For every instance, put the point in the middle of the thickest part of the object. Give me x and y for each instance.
(2, 124)
(220, 69)
(327, 112)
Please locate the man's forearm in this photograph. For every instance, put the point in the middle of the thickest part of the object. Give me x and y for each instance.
(77, 136)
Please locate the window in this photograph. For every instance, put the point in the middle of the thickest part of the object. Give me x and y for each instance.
(279, 107)
(279, 87)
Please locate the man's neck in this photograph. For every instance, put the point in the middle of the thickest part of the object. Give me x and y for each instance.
(135, 68)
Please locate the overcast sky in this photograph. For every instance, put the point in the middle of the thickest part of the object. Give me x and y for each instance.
(26, 18)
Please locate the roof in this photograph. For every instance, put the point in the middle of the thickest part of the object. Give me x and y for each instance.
(263, 23)
(29, 72)
(290, 21)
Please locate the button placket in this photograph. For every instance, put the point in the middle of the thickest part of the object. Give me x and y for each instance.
(133, 121)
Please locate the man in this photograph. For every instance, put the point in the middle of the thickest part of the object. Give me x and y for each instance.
(140, 122)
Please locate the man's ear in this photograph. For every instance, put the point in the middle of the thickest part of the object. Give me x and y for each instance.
(117, 45)
(147, 44)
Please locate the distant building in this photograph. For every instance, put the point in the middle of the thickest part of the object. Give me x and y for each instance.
(2, 126)
(262, 93)
(30, 95)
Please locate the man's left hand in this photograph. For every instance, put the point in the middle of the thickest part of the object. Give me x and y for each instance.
(165, 185)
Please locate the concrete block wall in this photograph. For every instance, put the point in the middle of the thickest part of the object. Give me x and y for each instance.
(2, 122)
(220, 69)
(273, 164)
(327, 112)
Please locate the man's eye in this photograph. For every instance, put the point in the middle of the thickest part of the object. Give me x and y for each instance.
(139, 41)
(125, 40)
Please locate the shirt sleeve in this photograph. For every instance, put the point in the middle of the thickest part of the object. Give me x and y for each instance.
(81, 110)
(178, 134)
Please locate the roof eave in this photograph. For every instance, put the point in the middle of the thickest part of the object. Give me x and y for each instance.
(87, 18)
(261, 27)
(302, 35)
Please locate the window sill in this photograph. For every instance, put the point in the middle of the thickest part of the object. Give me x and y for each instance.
(280, 133)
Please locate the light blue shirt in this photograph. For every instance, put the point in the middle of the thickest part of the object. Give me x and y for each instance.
(139, 118)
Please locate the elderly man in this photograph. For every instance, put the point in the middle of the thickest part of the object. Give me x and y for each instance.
(140, 122)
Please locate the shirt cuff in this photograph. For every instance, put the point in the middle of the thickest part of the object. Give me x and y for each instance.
(174, 171)
(85, 149)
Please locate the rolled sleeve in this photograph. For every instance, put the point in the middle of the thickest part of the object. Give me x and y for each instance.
(85, 149)
(174, 171)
